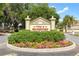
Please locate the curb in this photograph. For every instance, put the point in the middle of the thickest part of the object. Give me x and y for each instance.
(41, 50)
(11, 54)
(8, 34)
(3, 34)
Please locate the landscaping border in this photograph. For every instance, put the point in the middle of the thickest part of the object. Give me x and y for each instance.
(41, 50)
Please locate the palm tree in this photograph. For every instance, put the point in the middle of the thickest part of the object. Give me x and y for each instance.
(68, 22)
(73, 21)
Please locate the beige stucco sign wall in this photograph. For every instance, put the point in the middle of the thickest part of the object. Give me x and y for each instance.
(40, 24)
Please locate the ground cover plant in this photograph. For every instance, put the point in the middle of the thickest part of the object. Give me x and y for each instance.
(33, 39)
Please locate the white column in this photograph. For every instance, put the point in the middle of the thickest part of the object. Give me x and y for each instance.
(52, 23)
(27, 23)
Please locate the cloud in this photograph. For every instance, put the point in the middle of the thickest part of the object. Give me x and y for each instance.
(61, 11)
(53, 6)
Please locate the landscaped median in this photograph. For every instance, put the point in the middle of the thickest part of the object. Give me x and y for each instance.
(50, 41)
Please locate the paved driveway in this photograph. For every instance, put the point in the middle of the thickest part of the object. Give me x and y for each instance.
(72, 38)
(5, 51)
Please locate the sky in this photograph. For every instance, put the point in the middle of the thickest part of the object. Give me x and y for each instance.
(63, 9)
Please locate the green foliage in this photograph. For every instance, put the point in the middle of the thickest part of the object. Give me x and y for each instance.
(43, 11)
(33, 10)
(29, 36)
(76, 34)
(68, 21)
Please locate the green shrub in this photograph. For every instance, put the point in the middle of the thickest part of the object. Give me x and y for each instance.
(76, 34)
(31, 36)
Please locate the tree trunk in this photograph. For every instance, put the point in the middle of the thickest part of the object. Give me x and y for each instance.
(3, 26)
(65, 28)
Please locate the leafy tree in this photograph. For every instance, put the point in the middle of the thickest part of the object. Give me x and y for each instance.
(1, 8)
(1, 12)
(34, 10)
(43, 11)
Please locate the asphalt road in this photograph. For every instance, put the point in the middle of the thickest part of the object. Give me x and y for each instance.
(5, 51)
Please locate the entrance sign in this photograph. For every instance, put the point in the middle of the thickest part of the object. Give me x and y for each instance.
(40, 24)
(40, 28)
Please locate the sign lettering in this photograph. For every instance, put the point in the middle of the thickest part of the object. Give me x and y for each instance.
(40, 28)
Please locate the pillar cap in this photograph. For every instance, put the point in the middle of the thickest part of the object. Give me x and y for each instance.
(27, 18)
(52, 18)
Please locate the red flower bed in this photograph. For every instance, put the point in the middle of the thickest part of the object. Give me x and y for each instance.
(44, 44)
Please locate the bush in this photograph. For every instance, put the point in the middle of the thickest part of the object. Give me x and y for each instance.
(31, 36)
(76, 34)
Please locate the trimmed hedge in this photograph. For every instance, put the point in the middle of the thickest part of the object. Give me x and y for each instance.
(31, 36)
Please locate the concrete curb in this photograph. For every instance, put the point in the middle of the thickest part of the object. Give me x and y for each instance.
(4, 34)
(41, 50)
(8, 34)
